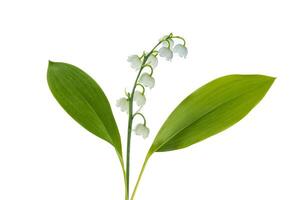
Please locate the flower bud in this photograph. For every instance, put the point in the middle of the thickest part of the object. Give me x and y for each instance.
(123, 103)
(147, 80)
(181, 50)
(152, 60)
(166, 52)
(135, 62)
(139, 98)
(142, 130)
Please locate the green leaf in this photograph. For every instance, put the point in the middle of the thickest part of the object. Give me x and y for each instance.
(83, 99)
(211, 109)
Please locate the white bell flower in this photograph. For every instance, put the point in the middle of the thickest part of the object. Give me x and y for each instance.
(152, 60)
(181, 50)
(147, 80)
(123, 103)
(139, 98)
(166, 44)
(142, 130)
(166, 52)
(135, 62)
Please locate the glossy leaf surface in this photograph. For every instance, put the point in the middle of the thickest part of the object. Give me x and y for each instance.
(83, 99)
(210, 110)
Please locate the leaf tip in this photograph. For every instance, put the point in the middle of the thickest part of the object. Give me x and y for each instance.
(271, 79)
(274, 78)
(51, 70)
(50, 62)
(54, 66)
(267, 79)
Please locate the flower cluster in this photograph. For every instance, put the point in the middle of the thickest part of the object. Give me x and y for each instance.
(145, 79)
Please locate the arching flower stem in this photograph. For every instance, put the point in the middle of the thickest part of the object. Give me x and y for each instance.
(140, 114)
(141, 86)
(169, 44)
(181, 38)
(150, 67)
(127, 94)
(155, 53)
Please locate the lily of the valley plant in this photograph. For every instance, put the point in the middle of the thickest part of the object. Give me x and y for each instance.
(209, 110)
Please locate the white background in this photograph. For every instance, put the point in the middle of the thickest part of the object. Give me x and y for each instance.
(44, 154)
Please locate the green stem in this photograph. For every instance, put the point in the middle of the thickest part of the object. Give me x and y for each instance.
(130, 118)
(140, 176)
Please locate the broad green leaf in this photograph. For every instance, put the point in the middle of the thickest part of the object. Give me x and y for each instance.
(210, 110)
(83, 99)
